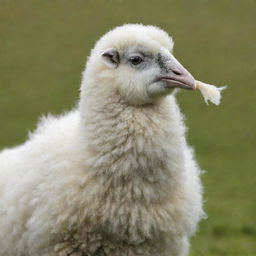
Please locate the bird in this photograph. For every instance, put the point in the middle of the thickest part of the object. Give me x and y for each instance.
(115, 176)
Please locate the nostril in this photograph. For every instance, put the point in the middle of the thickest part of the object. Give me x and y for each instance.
(176, 72)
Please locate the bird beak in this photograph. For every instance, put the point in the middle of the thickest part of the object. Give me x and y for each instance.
(177, 76)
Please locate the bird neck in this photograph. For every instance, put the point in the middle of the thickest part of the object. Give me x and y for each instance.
(130, 140)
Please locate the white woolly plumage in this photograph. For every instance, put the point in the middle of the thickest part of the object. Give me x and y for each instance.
(114, 177)
(210, 92)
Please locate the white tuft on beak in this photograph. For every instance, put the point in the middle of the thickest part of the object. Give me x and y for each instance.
(210, 92)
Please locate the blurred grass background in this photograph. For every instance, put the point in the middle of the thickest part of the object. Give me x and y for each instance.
(43, 48)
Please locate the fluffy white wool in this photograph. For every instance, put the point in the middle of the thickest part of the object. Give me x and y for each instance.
(108, 178)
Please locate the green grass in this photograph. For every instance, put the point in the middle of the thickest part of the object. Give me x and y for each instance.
(43, 48)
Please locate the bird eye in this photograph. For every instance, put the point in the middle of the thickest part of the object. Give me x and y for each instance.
(136, 60)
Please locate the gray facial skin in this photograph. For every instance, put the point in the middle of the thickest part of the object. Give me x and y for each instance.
(148, 60)
(171, 71)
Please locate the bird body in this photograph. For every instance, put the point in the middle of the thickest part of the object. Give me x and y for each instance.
(115, 176)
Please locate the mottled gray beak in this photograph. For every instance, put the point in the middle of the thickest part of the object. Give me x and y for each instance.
(177, 76)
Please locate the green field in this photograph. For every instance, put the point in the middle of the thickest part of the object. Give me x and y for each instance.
(43, 48)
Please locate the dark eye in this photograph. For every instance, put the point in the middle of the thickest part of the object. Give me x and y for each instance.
(136, 60)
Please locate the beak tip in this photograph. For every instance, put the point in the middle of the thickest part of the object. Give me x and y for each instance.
(194, 87)
(192, 82)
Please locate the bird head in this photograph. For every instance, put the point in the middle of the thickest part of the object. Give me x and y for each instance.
(136, 61)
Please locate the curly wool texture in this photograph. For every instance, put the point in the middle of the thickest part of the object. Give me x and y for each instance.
(108, 178)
